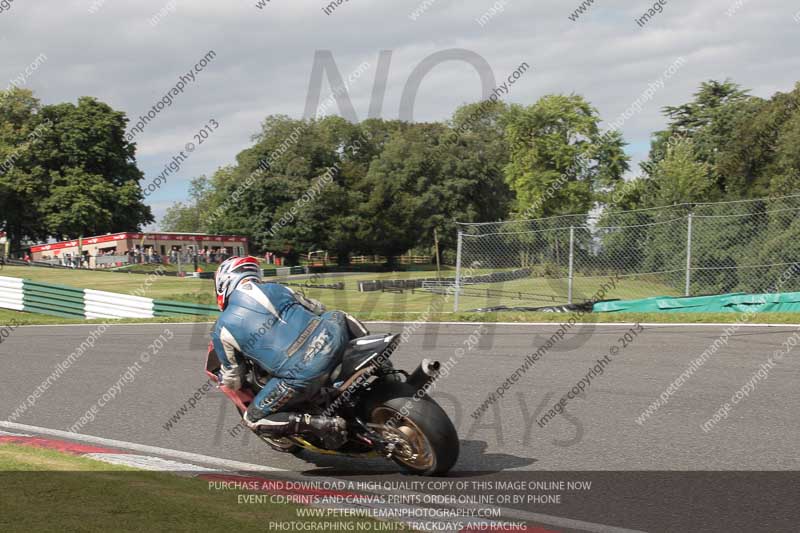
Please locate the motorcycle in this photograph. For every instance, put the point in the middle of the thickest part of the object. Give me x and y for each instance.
(388, 411)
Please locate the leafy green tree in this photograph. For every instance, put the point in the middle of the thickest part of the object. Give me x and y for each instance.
(479, 158)
(426, 178)
(717, 109)
(90, 138)
(680, 178)
(471, 187)
(190, 217)
(693, 117)
(76, 204)
(327, 210)
(67, 170)
(270, 194)
(274, 193)
(781, 175)
(560, 162)
(725, 144)
(748, 143)
(401, 186)
(22, 183)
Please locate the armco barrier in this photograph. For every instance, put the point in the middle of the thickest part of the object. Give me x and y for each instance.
(339, 285)
(100, 304)
(288, 271)
(167, 308)
(58, 300)
(11, 293)
(50, 299)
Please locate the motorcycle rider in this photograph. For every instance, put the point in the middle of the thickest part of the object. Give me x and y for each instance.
(289, 336)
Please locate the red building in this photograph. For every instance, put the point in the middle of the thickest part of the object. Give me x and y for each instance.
(121, 247)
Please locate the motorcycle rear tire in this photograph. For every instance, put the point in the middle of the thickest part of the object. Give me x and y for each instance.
(428, 420)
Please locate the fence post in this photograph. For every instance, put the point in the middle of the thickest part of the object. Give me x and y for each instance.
(571, 260)
(688, 255)
(458, 271)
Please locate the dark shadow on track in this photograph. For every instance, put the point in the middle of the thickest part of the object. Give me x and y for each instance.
(473, 461)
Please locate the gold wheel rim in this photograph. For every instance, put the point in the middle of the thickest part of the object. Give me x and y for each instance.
(421, 456)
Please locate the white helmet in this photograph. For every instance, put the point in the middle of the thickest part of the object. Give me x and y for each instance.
(230, 273)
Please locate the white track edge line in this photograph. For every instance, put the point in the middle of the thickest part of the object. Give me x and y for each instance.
(144, 448)
(664, 324)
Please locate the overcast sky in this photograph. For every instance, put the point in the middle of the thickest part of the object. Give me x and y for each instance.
(110, 49)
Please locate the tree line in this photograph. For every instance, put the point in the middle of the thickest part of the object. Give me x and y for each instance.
(395, 182)
(722, 146)
(388, 184)
(488, 162)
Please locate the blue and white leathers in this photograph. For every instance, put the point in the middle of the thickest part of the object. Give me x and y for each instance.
(277, 329)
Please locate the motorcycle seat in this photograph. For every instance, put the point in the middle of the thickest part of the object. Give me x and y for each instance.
(360, 352)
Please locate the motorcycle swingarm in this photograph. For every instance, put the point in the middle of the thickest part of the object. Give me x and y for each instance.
(382, 446)
(303, 443)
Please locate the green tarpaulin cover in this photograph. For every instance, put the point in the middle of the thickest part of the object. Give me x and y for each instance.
(721, 303)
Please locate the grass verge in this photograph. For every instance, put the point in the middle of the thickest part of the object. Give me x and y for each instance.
(30, 319)
(44, 490)
(17, 318)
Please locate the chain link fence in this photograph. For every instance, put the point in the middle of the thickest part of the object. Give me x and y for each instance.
(681, 250)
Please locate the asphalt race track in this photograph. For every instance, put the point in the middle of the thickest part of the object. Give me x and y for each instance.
(682, 469)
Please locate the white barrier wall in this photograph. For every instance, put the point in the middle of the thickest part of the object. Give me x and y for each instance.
(57, 300)
(100, 304)
(11, 291)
